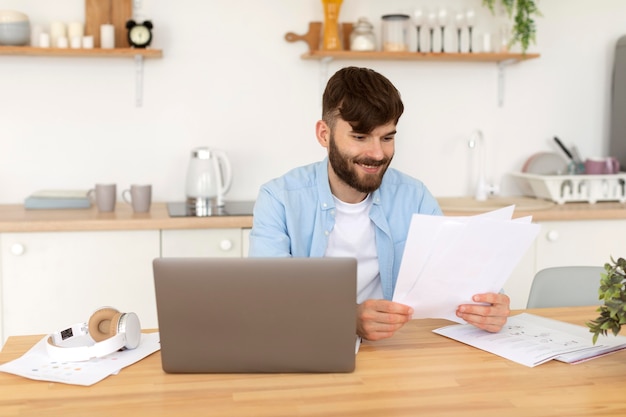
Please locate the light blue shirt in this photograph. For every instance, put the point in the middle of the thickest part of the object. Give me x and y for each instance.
(294, 215)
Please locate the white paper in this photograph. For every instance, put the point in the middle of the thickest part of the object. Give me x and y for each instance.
(447, 260)
(532, 340)
(37, 364)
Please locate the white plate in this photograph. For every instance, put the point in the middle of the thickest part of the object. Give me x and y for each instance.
(546, 163)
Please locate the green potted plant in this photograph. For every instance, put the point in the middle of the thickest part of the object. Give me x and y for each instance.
(522, 12)
(613, 292)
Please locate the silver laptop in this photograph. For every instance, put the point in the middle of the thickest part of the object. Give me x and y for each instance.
(222, 315)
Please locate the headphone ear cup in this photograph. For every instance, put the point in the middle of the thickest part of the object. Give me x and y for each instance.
(101, 323)
(115, 324)
(129, 324)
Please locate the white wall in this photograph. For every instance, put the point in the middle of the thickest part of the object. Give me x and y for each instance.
(229, 80)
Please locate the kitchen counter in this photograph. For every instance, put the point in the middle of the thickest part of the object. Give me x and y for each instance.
(14, 218)
(540, 210)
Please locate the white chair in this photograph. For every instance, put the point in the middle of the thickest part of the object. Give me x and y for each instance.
(566, 286)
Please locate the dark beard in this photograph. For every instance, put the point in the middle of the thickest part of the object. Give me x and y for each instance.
(342, 166)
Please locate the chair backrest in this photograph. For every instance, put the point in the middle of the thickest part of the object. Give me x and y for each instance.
(565, 286)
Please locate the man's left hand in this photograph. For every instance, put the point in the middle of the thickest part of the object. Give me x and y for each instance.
(489, 316)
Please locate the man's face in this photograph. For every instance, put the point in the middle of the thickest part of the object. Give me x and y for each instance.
(360, 160)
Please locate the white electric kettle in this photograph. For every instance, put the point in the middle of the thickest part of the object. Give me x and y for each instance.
(209, 177)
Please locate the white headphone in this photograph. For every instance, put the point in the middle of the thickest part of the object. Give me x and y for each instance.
(107, 331)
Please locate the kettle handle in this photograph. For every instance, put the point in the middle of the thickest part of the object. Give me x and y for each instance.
(227, 178)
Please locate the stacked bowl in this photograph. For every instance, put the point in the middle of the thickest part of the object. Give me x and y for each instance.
(14, 28)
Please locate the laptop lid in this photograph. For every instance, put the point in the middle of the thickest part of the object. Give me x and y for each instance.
(219, 315)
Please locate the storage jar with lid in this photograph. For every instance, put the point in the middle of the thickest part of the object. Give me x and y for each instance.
(362, 37)
(395, 32)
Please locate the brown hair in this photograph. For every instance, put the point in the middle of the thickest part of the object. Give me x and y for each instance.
(363, 98)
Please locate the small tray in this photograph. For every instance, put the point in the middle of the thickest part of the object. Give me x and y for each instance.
(574, 188)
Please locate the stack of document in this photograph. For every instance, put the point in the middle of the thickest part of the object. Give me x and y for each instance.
(447, 260)
(58, 199)
(532, 340)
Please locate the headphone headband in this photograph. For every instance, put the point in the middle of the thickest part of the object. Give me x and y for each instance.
(78, 343)
(60, 344)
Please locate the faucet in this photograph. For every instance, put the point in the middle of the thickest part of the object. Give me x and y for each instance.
(483, 190)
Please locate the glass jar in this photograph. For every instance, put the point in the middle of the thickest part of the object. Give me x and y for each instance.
(362, 37)
(395, 32)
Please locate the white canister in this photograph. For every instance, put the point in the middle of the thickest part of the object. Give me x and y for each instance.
(107, 36)
(35, 34)
(44, 40)
(76, 42)
(62, 42)
(395, 32)
(88, 42)
(57, 30)
(75, 29)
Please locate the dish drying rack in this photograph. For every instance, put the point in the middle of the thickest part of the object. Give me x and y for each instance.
(574, 188)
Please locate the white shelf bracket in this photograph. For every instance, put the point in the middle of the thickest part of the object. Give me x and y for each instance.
(501, 82)
(138, 80)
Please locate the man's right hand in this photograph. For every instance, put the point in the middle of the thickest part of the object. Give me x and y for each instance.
(379, 319)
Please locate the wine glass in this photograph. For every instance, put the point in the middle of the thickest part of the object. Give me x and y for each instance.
(470, 17)
(459, 20)
(442, 18)
(418, 19)
(431, 19)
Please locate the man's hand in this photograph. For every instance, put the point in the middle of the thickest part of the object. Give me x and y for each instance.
(379, 319)
(490, 317)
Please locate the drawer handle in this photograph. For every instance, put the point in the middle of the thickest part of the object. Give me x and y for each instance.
(553, 236)
(226, 245)
(17, 249)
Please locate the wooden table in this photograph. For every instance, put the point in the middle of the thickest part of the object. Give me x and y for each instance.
(415, 373)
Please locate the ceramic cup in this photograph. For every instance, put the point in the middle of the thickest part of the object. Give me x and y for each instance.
(601, 166)
(139, 197)
(104, 194)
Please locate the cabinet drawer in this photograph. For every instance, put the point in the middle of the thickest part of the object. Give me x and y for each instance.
(591, 242)
(54, 279)
(202, 243)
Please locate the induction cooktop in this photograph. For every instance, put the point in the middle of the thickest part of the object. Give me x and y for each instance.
(231, 208)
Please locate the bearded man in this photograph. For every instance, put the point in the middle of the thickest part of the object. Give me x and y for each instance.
(352, 204)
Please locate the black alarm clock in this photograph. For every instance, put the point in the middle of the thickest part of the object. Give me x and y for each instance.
(139, 34)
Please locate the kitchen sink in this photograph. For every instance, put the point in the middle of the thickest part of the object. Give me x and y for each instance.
(470, 204)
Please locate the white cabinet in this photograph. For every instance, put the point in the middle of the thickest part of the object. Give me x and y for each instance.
(54, 279)
(589, 242)
(202, 243)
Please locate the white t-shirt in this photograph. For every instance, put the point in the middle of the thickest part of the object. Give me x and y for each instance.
(354, 236)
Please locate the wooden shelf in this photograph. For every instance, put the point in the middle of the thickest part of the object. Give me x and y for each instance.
(313, 37)
(418, 56)
(69, 52)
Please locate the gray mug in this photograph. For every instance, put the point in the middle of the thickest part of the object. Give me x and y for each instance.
(104, 195)
(139, 197)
